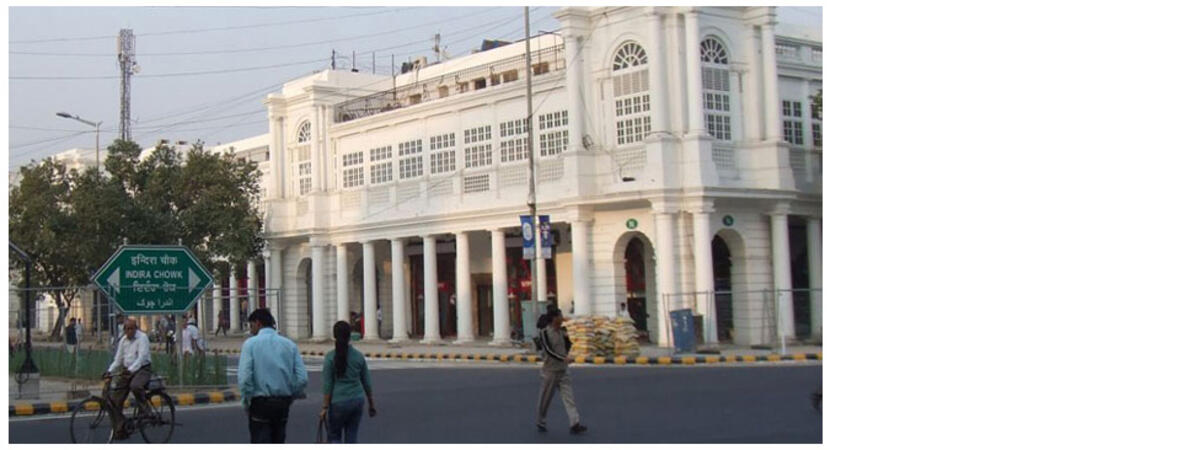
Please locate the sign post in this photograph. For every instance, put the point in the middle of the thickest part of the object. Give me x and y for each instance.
(153, 279)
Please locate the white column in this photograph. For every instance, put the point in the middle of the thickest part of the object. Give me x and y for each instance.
(432, 333)
(371, 326)
(502, 333)
(580, 269)
(815, 276)
(234, 303)
(542, 285)
(253, 286)
(782, 273)
(574, 89)
(666, 275)
(342, 307)
(657, 81)
(704, 275)
(318, 286)
(216, 303)
(772, 130)
(693, 73)
(277, 157)
(272, 284)
(400, 299)
(462, 278)
(753, 96)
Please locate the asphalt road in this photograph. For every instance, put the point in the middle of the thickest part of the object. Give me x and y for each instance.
(479, 403)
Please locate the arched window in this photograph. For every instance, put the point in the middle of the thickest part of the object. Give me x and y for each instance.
(716, 89)
(303, 132)
(630, 85)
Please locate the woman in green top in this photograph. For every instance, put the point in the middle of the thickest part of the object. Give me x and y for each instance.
(345, 380)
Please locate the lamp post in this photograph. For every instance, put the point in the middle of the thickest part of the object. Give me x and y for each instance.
(94, 124)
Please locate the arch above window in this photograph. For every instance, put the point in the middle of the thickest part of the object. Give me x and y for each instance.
(629, 55)
(713, 51)
(303, 132)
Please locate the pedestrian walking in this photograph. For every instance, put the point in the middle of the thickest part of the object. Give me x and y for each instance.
(189, 338)
(271, 375)
(72, 337)
(554, 371)
(345, 383)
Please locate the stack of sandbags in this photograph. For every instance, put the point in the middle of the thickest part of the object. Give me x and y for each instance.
(603, 337)
(581, 333)
(625, 343)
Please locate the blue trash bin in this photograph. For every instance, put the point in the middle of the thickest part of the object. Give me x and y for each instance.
(684, 339)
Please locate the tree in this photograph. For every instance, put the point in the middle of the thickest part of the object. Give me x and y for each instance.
(71, 223)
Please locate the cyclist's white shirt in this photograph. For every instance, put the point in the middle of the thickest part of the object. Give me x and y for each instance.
(131, 354)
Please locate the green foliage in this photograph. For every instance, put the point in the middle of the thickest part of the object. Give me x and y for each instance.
(208, 370)
(71, 223)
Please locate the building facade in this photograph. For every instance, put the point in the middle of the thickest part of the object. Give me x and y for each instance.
(676, 153)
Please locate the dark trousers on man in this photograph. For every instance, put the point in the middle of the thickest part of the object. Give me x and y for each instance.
(128, 381)
(267, 418)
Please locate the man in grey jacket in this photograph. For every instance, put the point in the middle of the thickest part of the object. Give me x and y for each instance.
(554, 374)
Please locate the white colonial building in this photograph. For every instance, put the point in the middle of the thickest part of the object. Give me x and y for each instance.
(676, 155)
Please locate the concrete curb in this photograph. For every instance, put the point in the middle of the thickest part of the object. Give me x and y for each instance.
(598, 360)
(179, 400)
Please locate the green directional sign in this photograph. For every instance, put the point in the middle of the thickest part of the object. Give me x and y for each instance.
(153, 279)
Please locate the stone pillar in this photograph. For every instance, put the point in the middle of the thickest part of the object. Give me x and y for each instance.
(574, 85)
(234, 300)
(502, 324)
(782, 273)
(400, 299)
(693, 74)
(666, 259)
(216, 303)
(704, 274)
(753, 96)
(657, 73)
(815, 276)
(318, 286)
(253, 286)
(432, 333)
(342, 306)
(462, 278)
(276, 154)
(272, 284)
(371, 326)
(580, 269)
(772, 131)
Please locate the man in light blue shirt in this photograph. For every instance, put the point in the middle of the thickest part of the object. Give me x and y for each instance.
(271, 374)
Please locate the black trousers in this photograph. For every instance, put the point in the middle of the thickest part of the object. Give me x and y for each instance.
(267, 418)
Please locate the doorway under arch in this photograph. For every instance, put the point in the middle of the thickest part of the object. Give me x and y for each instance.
(635, 283)
(305, 297)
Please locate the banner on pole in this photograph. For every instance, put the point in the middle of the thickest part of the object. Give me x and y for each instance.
(526, 232)
(546, 236)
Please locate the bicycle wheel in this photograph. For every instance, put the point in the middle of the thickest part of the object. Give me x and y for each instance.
(156, 425)
(90, 423)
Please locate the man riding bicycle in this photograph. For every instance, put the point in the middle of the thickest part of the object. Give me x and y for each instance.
(131, 369)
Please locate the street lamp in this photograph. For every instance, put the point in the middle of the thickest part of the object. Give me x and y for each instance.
(94, 124)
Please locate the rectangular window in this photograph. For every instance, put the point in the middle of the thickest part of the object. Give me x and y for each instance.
(477, 134)
(409, 148)
(352, 159)
(717, 102)
(788, 131)
(817, 135)
(719, 126)
(555, 142)
(306, 185)
(353, 177)
(796, 109)
(478, 156)
(441, 162)
(514, 150)
(553, 120)
(513, 127)
(382, 153)
(632, 130)
(410, 167)
(305, 180)
(442, 141)
(798, 134)
(381, 173)
(786, 108)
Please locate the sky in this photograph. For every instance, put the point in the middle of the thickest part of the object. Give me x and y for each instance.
(204, 71)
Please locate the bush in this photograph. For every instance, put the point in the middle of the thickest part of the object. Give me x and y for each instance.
(90, 364)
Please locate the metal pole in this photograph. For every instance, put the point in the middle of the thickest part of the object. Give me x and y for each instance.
(532, 186)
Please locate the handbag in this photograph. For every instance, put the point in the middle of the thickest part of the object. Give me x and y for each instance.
(323, 436)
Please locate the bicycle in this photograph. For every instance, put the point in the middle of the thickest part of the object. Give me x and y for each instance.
(155, 423)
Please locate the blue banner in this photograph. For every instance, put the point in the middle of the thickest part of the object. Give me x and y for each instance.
(546, 236)
(526, 232)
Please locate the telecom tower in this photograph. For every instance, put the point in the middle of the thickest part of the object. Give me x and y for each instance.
(126, 48)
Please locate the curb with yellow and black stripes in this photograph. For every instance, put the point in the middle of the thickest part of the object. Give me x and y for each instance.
(597, 360)
(181, 399)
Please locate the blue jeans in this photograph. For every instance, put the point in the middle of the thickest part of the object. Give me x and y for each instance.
(344, 419)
